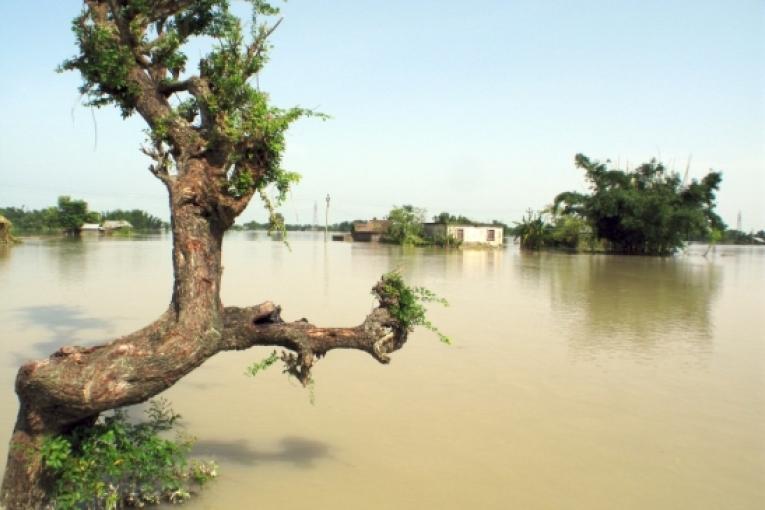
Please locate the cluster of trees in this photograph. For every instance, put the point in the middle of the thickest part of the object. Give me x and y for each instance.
(733, 236)
(343, 226)
(646, 211)
(406, 226)
(543, 229)
(69, 215)
(141, 220)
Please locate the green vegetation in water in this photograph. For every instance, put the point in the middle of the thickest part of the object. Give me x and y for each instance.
(116, 463)
(646, 211)
(564, 232)
(140, 220)
(407, 304)
(70, 214)
(405, 227)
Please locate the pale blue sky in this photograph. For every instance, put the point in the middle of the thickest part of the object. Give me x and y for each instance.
(476, 108)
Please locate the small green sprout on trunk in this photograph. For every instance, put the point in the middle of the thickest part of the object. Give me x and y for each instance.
(115, 463)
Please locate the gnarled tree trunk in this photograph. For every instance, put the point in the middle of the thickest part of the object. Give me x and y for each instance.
(213, 152)
(75, 384)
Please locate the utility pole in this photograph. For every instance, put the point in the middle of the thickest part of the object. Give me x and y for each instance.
(315, 224)
(326, 219)
(738, 222)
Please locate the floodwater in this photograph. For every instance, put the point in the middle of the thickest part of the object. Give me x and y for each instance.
(574, 382)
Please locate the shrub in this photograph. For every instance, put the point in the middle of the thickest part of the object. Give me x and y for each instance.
(115, 463)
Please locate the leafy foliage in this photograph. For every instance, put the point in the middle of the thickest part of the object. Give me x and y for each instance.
(116, 463)
(536, 231)
(72, 214)
(343, 226)
(135, 49)
(645, 211)
(406, 304)
(263, 364)
(532, 231)
(405, 225)
(32, 221)
(449, 219)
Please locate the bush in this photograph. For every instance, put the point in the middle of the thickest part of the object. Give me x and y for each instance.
(115, 463)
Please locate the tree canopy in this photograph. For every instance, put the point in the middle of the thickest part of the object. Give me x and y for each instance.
(132, 56)
(648, 210)
(446, 218)
(405, 225)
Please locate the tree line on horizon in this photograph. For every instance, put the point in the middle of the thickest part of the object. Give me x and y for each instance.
(69, 215)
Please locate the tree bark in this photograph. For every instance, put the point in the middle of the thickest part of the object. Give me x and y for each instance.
(75, 384)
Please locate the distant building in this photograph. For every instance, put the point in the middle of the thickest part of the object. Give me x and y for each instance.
(90, 227)
(487, 235)
(369, 231)
(116, 225)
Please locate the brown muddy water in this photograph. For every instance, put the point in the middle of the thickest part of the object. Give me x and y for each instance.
(574, 382)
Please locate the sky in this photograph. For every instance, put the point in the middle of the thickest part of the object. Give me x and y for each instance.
(476, 108)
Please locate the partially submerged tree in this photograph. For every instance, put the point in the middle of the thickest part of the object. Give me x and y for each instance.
(405, 225)
(647, 211)
(213, 148)
(73, 214)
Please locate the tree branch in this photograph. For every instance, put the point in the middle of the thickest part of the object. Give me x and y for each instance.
(256, 47)
(87, 380)
(379, 335)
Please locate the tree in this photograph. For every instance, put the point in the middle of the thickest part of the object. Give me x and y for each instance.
(646, 211)
(72, 214)
(532, 231)
(446, 218)
(405, 225)
(213, 149)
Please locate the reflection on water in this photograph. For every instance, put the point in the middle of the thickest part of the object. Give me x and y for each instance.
(73, 257)
(633, 303)
(576, 381)
(63, 324)
(299, 452)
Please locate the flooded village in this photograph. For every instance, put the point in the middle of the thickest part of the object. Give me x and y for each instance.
(532, 276)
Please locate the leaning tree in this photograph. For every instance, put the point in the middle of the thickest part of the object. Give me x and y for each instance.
(215, 142)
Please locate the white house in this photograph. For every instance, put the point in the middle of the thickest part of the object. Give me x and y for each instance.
(487, 235)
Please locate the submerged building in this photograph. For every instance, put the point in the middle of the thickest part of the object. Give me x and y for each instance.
(488, 235)
(369, 231)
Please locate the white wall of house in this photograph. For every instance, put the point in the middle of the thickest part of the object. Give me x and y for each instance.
(490, 235)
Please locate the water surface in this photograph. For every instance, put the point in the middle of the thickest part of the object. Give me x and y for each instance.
(575, 381)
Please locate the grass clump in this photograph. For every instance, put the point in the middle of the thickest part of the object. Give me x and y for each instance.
(117, 464)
